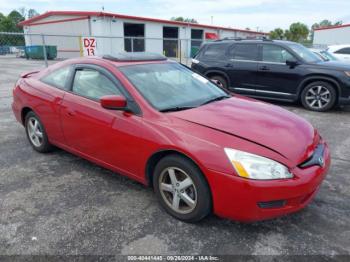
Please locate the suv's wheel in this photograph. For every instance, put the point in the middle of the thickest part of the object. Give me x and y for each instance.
(318, 96)
(181, 188)
(220, 81)
(36, 133)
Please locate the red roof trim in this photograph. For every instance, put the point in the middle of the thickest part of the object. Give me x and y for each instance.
(31, 21)
(60, 21)
(332, 27)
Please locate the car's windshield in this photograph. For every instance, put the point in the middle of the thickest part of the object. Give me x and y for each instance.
(168, 86)
(305, 53)
(328, 55)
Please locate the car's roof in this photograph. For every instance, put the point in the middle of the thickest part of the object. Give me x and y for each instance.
(254, 41)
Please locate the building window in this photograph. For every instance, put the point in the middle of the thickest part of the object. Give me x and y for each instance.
(134, 40)
(170, 41)
(196, 40)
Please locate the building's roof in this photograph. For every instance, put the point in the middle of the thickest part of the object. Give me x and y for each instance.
(332, 27)
(34, 20)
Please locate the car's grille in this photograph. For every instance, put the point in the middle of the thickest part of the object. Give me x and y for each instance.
(316, 159)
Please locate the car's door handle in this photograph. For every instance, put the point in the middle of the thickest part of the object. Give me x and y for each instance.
(264, 68)
(229, 65)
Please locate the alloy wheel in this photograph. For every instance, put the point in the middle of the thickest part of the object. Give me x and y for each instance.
(217, 82)
(318, 97)
(35, 132)
(178, 190)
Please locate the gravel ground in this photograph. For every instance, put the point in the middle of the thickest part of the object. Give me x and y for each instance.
(59, 204)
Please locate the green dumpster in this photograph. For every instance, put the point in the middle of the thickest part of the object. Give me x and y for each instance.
(37, 52)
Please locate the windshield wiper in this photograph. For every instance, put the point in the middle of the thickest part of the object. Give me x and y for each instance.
(176, 108)
(215, 99)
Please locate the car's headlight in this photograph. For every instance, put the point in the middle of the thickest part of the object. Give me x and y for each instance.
(256, 167)
(347, 73)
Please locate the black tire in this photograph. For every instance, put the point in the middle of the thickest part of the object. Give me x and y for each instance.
(44, 146)
(200, 188)
(220, 81)
(320, 104)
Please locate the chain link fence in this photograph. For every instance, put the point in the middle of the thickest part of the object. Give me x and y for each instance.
(59, 47)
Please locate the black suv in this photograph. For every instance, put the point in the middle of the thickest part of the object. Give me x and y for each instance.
(276, 70)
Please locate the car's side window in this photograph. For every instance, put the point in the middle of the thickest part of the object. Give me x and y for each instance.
(57, 78)
(92, 84)
(246, 52)
(276, 54)
(215, 51)
(344, 51)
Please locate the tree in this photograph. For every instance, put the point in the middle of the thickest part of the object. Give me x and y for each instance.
(298, 32)
(16, 17)
(9, 24)
(23, 11)
(32, 13)
(187, 20)
(278, 34)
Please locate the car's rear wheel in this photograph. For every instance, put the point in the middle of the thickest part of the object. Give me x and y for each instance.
(181, 188)
(36, 133)
(319, 96)
(220, 81)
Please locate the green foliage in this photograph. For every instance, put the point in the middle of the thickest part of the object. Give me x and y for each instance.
(297, 32)
(9, 23)
(187, 20)
(15, 17)
(278, 34)
(32, 13)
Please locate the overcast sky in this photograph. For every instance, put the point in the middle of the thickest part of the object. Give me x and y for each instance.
(262, 14)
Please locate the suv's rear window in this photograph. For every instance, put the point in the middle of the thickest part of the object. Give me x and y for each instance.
(215, 51)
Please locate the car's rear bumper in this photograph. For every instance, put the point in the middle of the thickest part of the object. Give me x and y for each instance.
(251, 200)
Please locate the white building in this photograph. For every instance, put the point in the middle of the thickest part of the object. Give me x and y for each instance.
(333, 35)
(115, 33)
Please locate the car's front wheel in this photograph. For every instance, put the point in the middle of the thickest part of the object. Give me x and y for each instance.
(36, 133)
(181, 188)
(319, 96)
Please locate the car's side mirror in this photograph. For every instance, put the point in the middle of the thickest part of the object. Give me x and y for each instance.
(113, 102)
(292, 63)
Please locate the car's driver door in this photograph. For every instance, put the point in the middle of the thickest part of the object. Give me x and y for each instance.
(109, 136)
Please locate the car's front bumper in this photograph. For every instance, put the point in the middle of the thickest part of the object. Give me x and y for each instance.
(251, 200)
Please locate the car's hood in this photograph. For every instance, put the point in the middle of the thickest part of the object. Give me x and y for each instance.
(270, 126)
(337, 65)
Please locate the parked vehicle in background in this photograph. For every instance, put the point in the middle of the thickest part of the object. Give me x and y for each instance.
(342, 52)
(275, 70)
(154, 120)
(324, 54)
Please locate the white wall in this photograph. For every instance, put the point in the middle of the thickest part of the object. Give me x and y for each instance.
(112, 27)
(333, 36)
(66, 46)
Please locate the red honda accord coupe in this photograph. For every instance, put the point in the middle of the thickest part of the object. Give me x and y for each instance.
(202, 149)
